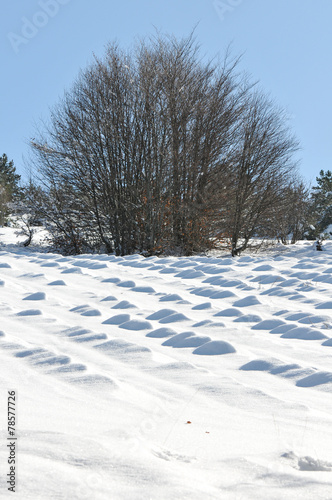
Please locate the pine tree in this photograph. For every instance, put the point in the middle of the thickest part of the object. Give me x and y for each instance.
(322, 203)
(10, 190)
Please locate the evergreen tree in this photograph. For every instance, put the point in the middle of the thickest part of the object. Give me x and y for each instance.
(322, 203)
(10, 190)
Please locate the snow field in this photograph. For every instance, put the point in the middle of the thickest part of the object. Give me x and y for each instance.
(199, 377)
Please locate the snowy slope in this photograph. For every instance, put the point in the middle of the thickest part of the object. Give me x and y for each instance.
(168, 378)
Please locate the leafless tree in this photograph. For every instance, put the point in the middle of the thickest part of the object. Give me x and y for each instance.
(133, 141)
(288, 220)
(257, 170)
(155, 150)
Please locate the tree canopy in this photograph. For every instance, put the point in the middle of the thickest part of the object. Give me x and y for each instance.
(321, 204)
(155, 150)
(9, 186)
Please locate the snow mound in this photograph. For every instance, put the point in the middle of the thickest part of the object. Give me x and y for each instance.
(204, 322)
(162, 313)
(212, 269)
(297, 316)
(250, 300)
(265, 267)
(95, 381)
(327, 342)
(91, 338)
(203, 291)
(72, 270)
(111, 280)
(214, 348)
(172, 297)
(248, 318)
(109, 298)
(76, 330)
(186, 339)
(174, 318)
(72, 368)
(29, 352)
(136, 264)
(90, 265)
(260, 365)
(268, 324)
(127, 284)
(189, 274)
(117, 320)
(222, 295)
(303, 265)
(325, 305)
(86, 310)
(283, 328)
(182, 263)
(32, 276)
(203, 306)
(136, 324)
(213, 280)
(276, 291)
(303, 333)
(312, 318)
(124, 304)
(211, 324)
(143, 289)
(275, 367)
(307, 463)
(178, 339)
(53, 360)
(161, 333)
(245, 259)
(30, 312)
(287, 370)
(230, 283)
(57, 283)
(268, 279)
(169, 270)
(232, 311)
(315, 379)
(36, 296)
(121, 347)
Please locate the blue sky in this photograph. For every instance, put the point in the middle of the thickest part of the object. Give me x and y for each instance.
(286, 45)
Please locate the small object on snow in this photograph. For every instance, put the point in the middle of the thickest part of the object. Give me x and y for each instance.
(188, 422)
(319, 245)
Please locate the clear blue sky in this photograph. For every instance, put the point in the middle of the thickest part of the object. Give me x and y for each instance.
(286, 45)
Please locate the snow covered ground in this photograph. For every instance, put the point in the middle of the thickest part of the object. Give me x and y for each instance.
(168, 378)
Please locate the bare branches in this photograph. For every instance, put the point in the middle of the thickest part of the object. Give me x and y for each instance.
(155, 149)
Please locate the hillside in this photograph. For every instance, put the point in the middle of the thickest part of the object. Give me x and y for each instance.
(168, 378)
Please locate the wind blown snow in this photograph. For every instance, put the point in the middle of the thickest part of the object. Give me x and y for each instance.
(168, 378)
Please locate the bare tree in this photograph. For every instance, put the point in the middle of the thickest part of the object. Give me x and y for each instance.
(154, 150)
(257, 169)
(289, 218)
(130, 146)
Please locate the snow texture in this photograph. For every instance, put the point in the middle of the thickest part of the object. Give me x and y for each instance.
(130, 388)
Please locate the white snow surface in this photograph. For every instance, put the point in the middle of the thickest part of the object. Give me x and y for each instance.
(167, 378)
